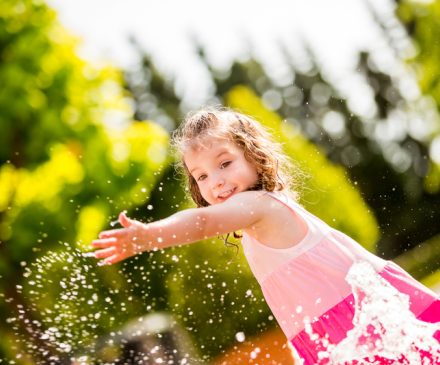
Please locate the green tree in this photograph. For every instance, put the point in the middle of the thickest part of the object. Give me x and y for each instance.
(421, 21)
(70, 160)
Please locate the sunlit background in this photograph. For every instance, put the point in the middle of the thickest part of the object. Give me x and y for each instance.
(89, 95)
(334, 32)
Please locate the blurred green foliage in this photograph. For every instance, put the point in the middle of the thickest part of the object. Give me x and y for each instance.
(422, 20)
(421, 261)
(423, 23)
(69, 163)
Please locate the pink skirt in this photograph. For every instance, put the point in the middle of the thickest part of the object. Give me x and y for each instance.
(335, 323)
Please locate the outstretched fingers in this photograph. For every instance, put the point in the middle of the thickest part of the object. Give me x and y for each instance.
(116, 233)
(112, 259)
(118, 244)
(112, 255)
(106, 252)
(119, 255)
(105, 242)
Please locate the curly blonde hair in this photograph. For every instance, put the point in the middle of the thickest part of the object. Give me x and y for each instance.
(276, 171)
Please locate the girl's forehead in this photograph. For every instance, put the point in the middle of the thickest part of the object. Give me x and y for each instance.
(208, 149)
(212, 144)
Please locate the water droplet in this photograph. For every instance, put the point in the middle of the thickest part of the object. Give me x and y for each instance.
(240, 336)
(88, 254)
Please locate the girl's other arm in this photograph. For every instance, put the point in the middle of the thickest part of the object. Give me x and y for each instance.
(238, 212)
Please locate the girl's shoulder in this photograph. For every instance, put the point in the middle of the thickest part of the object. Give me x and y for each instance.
(262, 199)
(281, 226)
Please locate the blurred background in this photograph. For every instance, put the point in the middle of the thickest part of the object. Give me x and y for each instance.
(89, 95)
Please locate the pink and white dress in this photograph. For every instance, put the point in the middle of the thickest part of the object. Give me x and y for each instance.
(307, 282)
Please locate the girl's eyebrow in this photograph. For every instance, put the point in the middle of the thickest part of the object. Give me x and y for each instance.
(222, 152)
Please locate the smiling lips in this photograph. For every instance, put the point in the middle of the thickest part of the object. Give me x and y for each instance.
(226, 194)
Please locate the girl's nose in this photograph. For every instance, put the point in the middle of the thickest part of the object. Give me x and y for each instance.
(218, 182)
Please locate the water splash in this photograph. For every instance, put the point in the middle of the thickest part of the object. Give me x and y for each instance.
(88, 254)
(385, 330)
(81, 316)
(54, 334)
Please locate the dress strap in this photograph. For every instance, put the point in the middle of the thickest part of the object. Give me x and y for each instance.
(264, 259)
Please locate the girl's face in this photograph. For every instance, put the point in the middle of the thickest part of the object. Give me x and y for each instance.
(220, 170)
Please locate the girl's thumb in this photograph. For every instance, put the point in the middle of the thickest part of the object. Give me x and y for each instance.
(125, 222)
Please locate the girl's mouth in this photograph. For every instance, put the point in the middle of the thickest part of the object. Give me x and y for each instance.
(226, 194)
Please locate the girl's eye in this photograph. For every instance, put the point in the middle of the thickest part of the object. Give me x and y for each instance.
(201, 178)
(226, 164)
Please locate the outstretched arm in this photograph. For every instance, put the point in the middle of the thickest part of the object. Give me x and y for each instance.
(239, 212)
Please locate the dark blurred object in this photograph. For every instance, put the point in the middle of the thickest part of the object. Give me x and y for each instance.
(267, 348)
(153, 339)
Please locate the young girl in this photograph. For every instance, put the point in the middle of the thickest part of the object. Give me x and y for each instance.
(239, 178)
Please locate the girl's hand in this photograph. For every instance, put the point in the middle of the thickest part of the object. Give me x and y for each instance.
(118, 244)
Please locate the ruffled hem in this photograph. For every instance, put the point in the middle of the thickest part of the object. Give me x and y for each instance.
(334, 325)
